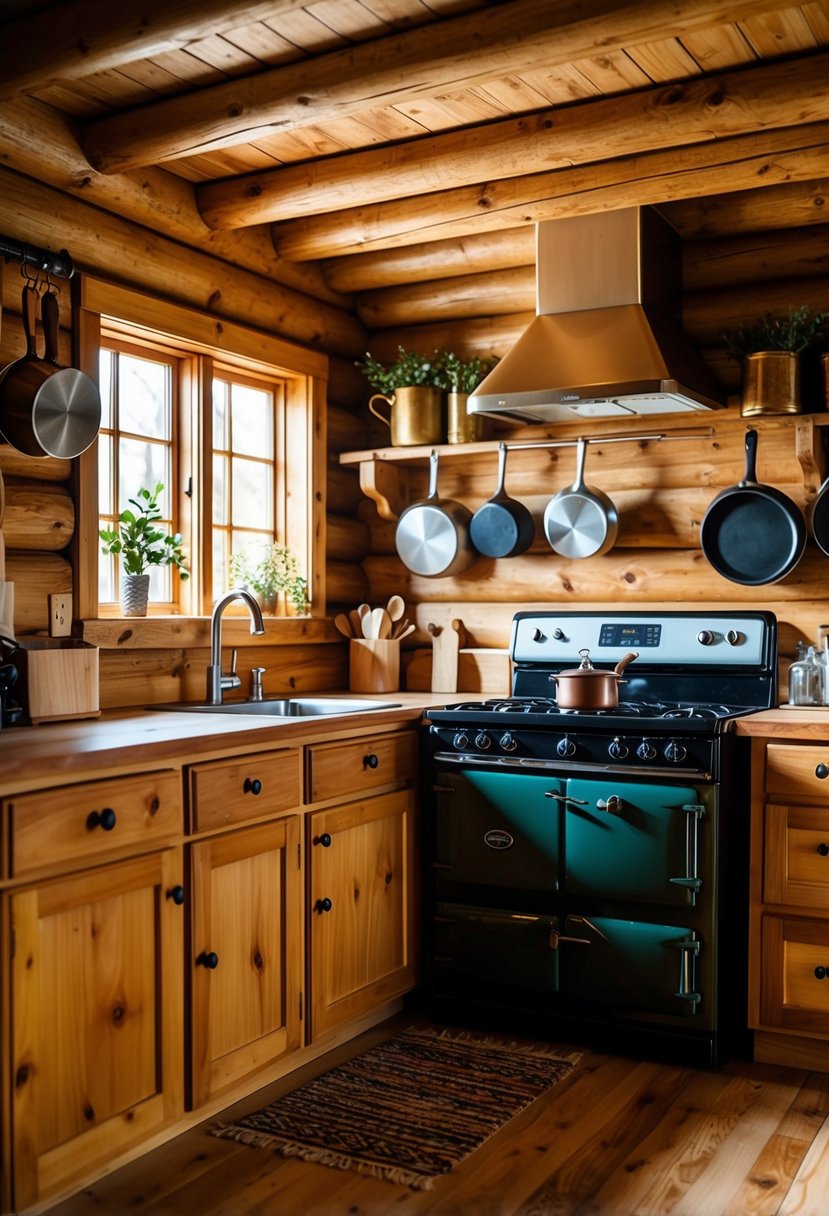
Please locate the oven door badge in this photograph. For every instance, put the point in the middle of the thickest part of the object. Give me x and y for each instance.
(497, 838)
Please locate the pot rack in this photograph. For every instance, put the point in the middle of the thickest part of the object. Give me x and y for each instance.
(44, 260)
(381, 480)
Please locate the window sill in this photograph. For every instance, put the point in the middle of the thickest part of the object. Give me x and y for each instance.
(185, 632)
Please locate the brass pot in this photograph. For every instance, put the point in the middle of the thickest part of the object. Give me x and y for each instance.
(415, 415)
(771, 383)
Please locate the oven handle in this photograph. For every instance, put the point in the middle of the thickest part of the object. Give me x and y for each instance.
(566, 798)
(689, 950)
(694, 811)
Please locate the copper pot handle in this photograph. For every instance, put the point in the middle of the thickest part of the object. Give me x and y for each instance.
(623, 663)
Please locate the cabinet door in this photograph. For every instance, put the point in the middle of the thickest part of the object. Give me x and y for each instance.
(361, 914)
(794, 989)
(247, 950)
(96, 998)
(797, 856)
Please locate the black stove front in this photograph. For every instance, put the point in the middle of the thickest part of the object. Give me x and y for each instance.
(588, 870)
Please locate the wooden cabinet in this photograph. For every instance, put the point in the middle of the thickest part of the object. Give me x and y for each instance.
(361, 907)
(246, 963)
(789, 927)
(343, 770)
(96, 1016)
(224, 792)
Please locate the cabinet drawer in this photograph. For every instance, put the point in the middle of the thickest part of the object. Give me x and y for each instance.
(337, 770)
(794, 992)
(791, 770)
(797, 855)
(79, 823)
(225, 792)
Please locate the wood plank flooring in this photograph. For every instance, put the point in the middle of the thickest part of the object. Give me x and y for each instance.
(619, 1137)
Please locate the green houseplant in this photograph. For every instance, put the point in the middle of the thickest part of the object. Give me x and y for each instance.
(408, 370)
(460, 377)
(770, 350)
(269, 571)
(140, 544)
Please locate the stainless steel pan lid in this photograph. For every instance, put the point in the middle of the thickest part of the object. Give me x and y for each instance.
(581, 521)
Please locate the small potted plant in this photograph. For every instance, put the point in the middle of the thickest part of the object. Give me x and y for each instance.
(411, 389)
(460, 378)
(770, 350)
(140, 544)
(269, 572)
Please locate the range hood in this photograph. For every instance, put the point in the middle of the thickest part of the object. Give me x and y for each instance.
(607, 340)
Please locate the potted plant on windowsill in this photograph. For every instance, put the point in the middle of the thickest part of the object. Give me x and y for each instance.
(770, 351)
(140, 544)
(459, 378)
(410, 388)
(268, 573)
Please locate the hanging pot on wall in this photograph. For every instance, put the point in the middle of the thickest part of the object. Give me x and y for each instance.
(432, 537)
(66, 411)
(581, 521)
(503, 526)
(20, 382)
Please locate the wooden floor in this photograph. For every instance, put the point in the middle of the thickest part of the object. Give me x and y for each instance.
(618, 1137)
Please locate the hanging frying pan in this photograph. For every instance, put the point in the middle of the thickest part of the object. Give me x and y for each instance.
(581, 521)
(432, 537)
(20, 381)
(66, 410)
(752, 533)
(819, 517)
(503, 526)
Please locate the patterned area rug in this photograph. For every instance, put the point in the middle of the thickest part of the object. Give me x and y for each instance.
(407, 1110)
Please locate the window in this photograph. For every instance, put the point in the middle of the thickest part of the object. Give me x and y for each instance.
(228, 429)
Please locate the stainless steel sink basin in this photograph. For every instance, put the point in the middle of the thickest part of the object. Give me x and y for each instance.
(283, 707)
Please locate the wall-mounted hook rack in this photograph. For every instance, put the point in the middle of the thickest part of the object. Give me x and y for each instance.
(45, 260)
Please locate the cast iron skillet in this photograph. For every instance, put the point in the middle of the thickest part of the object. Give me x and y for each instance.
(819, 517)
(502, 526)
(752, 533)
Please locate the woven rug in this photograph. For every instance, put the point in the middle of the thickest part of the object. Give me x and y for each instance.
(407, 1110)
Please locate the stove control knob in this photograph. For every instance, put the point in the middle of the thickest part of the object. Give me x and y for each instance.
(617, 749)
(705, 637)
(507, 743)
(482, 741)
(675, 752)
(734, 637)
(646, 750)
(460, 741)
(538, 636)
(558, 634)
(566, 747)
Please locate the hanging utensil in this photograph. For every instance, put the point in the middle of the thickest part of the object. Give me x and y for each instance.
(432, 537)
(20, 382)
(66, 410)
(502, 527)
(751, 533)
(581, 521)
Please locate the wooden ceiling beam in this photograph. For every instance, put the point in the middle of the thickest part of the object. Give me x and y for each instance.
(459, 52)
(477, 253)
(744, 162)
(70, 41)
(773, 95)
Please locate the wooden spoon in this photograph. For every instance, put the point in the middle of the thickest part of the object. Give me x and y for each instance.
(398, 628)
(342, 623)
(395, 607)
(405, 633)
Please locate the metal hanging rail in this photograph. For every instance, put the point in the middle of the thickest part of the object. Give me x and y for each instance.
(38, 259)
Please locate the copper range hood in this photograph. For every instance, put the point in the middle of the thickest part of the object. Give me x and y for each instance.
(607, 340)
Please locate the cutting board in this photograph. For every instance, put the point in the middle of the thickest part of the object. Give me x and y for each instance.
(446, 643)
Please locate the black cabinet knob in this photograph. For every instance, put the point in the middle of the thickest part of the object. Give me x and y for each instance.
(324, 905)
(252, 785)
(821, 973)
(324, 840)
(822, 772)
(176, 894)
(823, 849)
(105, 819)
(208, 959)
(370, 761)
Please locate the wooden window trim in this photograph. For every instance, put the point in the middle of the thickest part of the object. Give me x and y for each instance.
(305, 373)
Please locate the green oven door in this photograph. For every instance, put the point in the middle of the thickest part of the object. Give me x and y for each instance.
(633, 966)
(497, 830)
(480, 949)
(648, 843)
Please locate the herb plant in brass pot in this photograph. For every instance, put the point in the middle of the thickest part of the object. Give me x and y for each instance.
(411, 391)
(770, 353)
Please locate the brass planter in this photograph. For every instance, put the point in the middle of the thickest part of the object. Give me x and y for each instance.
(461, 427)
(771, 383)
(415, 415)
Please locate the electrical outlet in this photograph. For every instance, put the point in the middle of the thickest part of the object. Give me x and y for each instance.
(60, 615)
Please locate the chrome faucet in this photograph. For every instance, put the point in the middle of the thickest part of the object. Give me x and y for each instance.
(217, 680)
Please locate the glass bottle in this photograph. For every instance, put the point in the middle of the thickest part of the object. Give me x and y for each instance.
(805, 680)
(823, 663)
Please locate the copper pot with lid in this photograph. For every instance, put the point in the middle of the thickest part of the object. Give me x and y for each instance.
(588, 687)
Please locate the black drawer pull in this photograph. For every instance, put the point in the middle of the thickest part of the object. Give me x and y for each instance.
(252, 785)
(371, 761)
(105, 819)
(324, 905)
(324, 840)
(821, 973)
(822, 772)
(208, 959)
(823, 849)
(176, 894)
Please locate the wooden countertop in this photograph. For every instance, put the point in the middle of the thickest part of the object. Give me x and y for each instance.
(784, 723)
(34, 756)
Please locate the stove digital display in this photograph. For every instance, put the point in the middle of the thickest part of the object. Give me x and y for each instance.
(648, 634)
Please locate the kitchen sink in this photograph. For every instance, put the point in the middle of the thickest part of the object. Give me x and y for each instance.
(283, 707)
